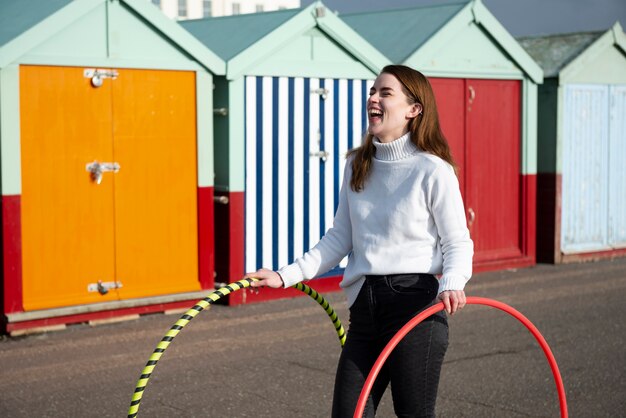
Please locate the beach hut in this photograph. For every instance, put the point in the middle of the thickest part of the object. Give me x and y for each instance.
(486, 88)
(289, 107)
(106, 161)
(581, 184)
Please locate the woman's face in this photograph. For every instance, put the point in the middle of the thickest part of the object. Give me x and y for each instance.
(388, 109)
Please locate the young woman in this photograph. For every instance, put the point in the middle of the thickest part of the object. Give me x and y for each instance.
(401, 220)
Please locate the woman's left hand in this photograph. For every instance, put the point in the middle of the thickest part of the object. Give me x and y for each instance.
(453, 300)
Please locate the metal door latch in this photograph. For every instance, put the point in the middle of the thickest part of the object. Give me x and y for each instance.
(323, 155)
(96, 169)
(222, 200)
(103, 287)
(322, 92)
(97, 75)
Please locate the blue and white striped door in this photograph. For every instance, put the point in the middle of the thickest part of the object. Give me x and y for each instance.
(298, 131)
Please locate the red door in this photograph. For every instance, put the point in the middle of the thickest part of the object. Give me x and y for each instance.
(450, 95)
(481, 119)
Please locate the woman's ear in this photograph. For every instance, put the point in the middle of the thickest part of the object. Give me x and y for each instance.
(416, 109)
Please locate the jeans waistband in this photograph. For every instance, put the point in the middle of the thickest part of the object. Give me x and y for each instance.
(382, 276)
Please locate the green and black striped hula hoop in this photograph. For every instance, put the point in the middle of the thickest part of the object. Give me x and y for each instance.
(133, 411)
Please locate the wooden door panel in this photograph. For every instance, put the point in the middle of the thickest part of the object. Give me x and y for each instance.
(67, 219)
(617, 169)
(493, 153)
(585, 169)
(291, 191)
(450, 96)
(156, 187)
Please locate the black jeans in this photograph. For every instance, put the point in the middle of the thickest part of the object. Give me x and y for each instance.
(384, 305)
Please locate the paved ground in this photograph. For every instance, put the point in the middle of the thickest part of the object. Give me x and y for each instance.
(277, 359)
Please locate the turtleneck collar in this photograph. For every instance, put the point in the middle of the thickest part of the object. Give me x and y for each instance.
(397, 149)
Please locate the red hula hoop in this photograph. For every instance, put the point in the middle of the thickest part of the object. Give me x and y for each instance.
(471, 300)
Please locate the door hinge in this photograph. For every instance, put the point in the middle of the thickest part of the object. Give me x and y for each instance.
(103, 287)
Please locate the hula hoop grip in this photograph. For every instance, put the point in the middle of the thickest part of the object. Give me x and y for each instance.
(471, 300)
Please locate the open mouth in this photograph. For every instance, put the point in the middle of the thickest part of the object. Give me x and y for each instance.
(375, 114)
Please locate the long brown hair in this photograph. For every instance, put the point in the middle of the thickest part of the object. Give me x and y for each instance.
(424, 129)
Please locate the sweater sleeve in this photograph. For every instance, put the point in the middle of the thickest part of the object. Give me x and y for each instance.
(331, 249)
(447, 208)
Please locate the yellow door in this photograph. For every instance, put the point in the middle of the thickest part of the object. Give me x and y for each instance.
(155, 189)
(137, 227)
(67, 235)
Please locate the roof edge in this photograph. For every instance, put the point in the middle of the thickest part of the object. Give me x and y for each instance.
(482, 16)
(314, 15)
(298, 23)
(614, 36)
(178, 35)
(349, 39)
(619, 36)
(36, 34)
(460, 15)
(32, 37)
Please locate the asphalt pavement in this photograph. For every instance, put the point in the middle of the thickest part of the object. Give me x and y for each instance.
(277, 359)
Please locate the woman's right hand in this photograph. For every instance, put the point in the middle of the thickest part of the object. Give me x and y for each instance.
(266, 277)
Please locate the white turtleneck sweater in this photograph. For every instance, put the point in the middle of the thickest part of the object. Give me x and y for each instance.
(409, 218)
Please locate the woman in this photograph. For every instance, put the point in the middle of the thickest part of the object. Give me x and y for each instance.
(401, 220)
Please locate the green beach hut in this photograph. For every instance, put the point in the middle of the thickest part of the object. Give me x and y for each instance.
(486, 88)
(581, 192)
(106, 141)
(290, 105)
